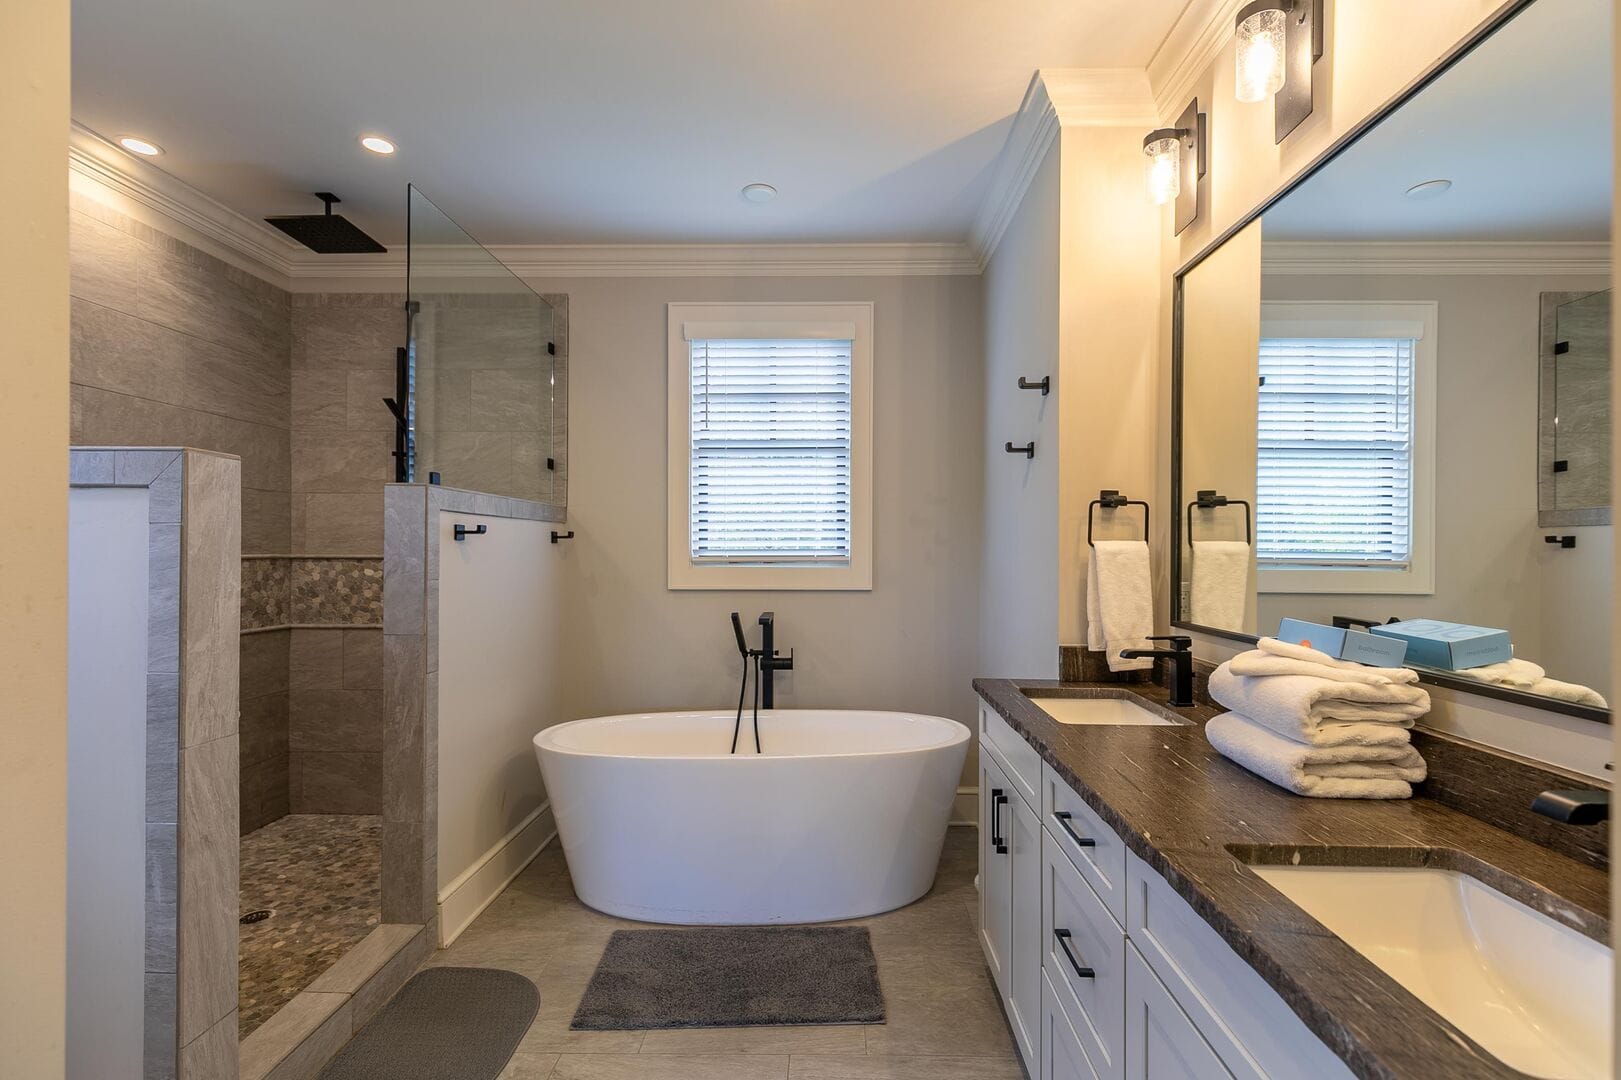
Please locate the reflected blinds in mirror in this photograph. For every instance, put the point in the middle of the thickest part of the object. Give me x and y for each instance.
(1335, 448)
(771, 448)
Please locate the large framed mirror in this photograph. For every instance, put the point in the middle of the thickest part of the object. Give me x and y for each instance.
(1391, 385)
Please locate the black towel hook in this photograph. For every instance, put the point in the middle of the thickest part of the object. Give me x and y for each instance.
(462, 532)
(556, 536)
(1045, 385)
(1028, 449)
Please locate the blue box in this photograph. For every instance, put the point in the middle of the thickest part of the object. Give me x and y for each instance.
(1343, 644)
(1449, 646)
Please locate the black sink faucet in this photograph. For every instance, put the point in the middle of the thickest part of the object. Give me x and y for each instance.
(1574, 807)
(1180, 654)
(769, 661)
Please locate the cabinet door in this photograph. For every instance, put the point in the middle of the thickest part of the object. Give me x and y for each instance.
(1161, 1042)
(1062, 1057)
(1023, 828)
(995, 870)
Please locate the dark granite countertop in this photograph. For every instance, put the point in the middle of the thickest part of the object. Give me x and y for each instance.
(1186, 811)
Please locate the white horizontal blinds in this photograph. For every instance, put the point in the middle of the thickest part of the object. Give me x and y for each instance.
(1335, 449)
(771, 445)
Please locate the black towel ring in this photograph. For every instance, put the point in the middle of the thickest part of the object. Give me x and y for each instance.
(1209, 500)
(1109, 499)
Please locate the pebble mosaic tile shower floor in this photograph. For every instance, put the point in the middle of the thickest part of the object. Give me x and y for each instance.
(319, 876)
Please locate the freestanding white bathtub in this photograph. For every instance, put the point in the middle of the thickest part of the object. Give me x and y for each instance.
(842, 816)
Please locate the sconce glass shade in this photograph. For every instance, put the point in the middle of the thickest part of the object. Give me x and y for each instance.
(1164, 169)
(1261, 40)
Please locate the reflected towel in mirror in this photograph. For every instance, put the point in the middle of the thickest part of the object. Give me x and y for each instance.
(1221, 583)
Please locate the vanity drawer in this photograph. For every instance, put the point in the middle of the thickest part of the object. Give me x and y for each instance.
(1164, 1043)
(1020, 760)
(1244, 1020)
(1095, 849)
(1084, 957)
(1061, 1055)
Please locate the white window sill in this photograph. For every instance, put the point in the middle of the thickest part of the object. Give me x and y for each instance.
(1352, 581)
(852, 576)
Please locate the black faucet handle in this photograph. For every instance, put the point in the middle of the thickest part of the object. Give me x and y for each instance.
(1574, 807)
(1179, 642)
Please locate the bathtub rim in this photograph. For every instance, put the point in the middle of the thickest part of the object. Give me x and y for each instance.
(960, 737)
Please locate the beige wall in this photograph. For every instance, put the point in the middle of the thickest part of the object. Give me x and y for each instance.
(1019, 562)
(910, 643)
(34, 92)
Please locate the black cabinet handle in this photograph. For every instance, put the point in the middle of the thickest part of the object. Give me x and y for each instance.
(997, 799)
(1063, 937)
(1063, 817)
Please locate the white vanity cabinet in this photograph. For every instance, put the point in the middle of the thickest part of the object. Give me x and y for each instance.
(1104, 971)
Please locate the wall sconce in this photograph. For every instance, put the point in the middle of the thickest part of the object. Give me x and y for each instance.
(1177, 161)
(1278, 42)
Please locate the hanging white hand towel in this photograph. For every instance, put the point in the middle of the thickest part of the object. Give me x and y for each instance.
(1119, 601)
(1306, 653)
(1221, 583)
(1295, 706)
(1333, 772)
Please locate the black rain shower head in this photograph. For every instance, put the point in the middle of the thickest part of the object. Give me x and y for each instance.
(328, 233)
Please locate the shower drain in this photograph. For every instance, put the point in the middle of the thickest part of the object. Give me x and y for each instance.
(257, 916)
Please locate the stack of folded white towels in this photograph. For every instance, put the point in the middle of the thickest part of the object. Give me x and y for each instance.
(1328, 728)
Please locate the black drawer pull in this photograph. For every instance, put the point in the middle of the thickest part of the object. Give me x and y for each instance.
(1063, 817)
(1063, 937)
(1000, 842)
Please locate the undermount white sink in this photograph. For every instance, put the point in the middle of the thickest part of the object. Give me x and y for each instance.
(1099, 711)
(1533, 992)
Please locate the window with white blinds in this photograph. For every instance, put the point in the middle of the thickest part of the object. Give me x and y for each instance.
(1335, 485)
(771, 445)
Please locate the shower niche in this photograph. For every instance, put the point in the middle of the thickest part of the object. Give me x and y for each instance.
(483, 372)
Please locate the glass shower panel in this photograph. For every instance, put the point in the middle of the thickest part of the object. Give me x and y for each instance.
(1582, 401)
(481, 362)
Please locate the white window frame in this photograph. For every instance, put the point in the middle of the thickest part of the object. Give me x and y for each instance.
(696, 321)
(1351, 319)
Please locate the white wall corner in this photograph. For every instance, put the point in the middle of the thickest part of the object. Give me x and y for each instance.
(1056, 97)
(1197, 37)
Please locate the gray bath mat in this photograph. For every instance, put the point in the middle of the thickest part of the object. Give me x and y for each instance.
(733, 976)
(447, 1023)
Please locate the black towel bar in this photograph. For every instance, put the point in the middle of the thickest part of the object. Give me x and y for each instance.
(1028, 449)
(1109, 499)
(1209, 500)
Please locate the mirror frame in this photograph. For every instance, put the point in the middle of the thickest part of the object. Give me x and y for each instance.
(1427, 675)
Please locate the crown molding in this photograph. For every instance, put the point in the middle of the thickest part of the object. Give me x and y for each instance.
(1417, 257)
(1195, 40)
(1055, 98)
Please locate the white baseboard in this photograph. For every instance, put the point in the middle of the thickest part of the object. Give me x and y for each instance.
(965, 807)
(465, 898)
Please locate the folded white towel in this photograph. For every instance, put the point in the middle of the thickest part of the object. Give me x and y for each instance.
(1306, 653)
(1516, 673)
(1221, 583)
(1257, 662)
(1294, 706)
(1336, 772)
(1119, 601)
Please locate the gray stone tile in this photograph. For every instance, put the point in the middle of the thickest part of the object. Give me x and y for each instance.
(341, 461)
(162, 747)
(90, 467)
(315, 660)
(213, 609)
(265, 792)
(209, 815)
(366, 390)
(265, 730)
(166, 492)
(163, 600)
(162, 864)
(188, 293)
(161, 931)
(298, 1040)
(408, 873)
(263, 448)
(139, 467)
(349, 335)
(405, 545)
(363, 659)
(404, 793)
(246, 386)
(891, 1067)
(950, 1021)
(211, 1055)
(266, 522)
(378, 990)
(366, 959)
(337, 783)
(477, 460)
(509, 400)
(602, 1066)
(102, 262)
(119, 352)
(335, 720)
(526, 1066)
(158, 1009)
(820, 1039)
(320, 399)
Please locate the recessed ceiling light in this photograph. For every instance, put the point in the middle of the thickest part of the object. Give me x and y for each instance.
(377, 144)
(758, 193)
(1429, 189)
(140, 146)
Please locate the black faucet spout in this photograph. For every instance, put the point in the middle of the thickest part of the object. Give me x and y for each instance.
(1180, 654)
(1574, 807)
(770, 662)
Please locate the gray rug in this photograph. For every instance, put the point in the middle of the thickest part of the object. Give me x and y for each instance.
(445, 1024)
(733, 976)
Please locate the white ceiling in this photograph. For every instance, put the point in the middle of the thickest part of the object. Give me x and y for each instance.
(1522, 126)
(609, 121)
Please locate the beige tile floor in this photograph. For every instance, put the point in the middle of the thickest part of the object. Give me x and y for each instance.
(944, 1022)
